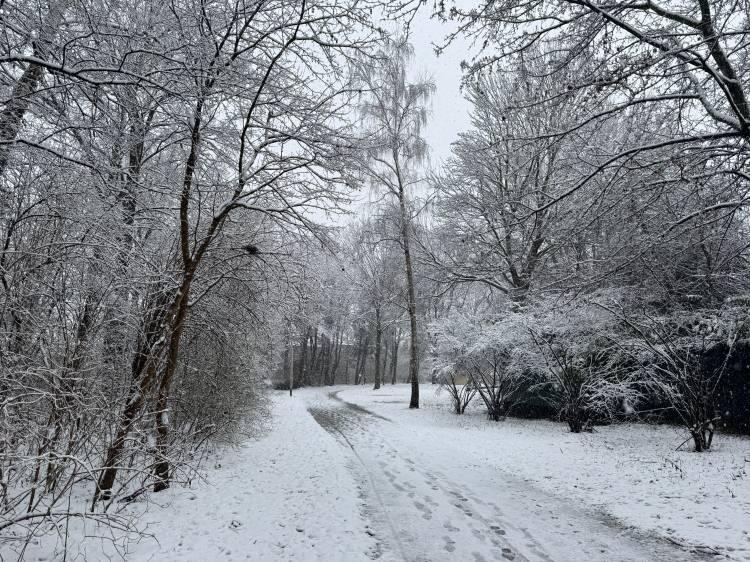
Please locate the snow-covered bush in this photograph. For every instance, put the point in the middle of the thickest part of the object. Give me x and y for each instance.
(584, 385)
(565, 355)
(459, 388)
(488, 370)
(683, 359)
(586, 379)
(447, 346)
(488, 355)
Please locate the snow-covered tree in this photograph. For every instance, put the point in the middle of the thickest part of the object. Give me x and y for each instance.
(395, 111)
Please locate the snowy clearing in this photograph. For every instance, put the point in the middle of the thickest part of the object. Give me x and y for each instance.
(631, 472)
(289, 495)
(374, 480)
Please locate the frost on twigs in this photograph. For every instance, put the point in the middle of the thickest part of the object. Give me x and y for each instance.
(684, 360)
(561, 357)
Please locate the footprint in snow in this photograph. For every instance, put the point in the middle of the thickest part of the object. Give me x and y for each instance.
(450, 544)
(448, 525)
(478, 534)
(426, 512)
(497, 529)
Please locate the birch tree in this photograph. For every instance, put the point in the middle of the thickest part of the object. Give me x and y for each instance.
(395, 110)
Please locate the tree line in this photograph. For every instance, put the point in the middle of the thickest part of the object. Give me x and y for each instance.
(168, 176)
(583, 252)
(159, 165)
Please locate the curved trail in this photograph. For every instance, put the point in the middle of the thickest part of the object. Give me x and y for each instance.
(431, 503)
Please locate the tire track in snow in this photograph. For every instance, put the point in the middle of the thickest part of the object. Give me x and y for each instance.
(457, 497)
(327, 421)
(487, 539)
(356, 407)
(544, 526)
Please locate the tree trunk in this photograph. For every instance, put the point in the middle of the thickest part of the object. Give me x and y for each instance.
(161, 468)
(384, 368)
(143, 369)
(394, 355)
(336, 354)
(363, 364)
(291, 365)
(348, 363)
(12, 115)
(358, 361)
(302, 373)
(313, 356)
(378, 339)
(325, 366)
(411, 303)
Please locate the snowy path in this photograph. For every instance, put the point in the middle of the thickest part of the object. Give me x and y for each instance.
(429, 500)
(352, 475)
(289, 495)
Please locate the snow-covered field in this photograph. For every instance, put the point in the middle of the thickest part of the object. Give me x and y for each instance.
(287, 496)
(334, 482)
(631, 472)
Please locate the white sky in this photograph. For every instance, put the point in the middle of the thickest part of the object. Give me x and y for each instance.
(449, 108)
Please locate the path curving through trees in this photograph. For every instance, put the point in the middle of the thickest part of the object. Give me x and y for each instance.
(427, 499)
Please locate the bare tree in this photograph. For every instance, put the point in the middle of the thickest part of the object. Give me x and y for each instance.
(395, 111)
(682, 65)
(375, 268)
(500, 169)
(153, 165)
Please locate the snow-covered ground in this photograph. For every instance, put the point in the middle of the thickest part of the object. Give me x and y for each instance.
(290, 495)
(629, 472)
(350, 474)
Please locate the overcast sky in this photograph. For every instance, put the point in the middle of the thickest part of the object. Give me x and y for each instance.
(449, 109)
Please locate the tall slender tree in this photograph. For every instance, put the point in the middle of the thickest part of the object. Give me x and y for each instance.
(395, 110)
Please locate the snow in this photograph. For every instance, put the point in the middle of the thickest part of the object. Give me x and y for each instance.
(351, 474)
(630, 472)
(289, 495)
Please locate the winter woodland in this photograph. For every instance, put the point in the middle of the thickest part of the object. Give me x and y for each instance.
(214, 211)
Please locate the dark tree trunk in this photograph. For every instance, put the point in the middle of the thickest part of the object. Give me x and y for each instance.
(161, 468)
(363, 364)
(384, 368)
(302, 372)
(336, 355)
(358, 361)
(311, 372)
(143, 371)
(411, 300)
(348, 363)
(325, 363)
(378, 339)
(394, 355)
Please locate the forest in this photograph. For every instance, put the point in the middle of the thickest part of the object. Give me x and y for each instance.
(203, 202)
